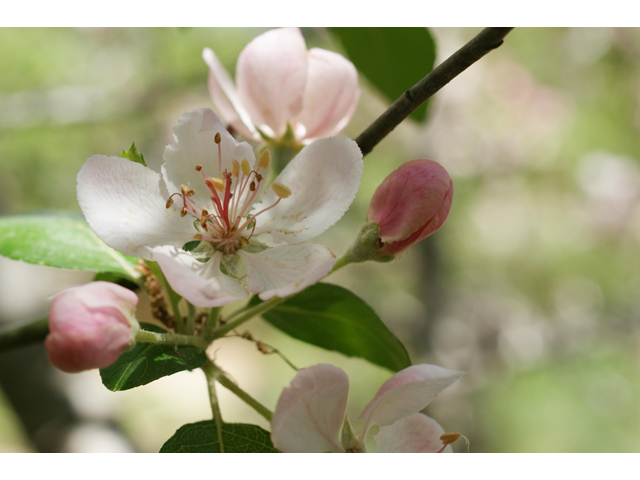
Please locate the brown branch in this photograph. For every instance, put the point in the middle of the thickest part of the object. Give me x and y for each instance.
(474, 50)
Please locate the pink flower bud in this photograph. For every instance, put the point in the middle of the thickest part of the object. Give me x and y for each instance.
(411, 204)
(90, 325)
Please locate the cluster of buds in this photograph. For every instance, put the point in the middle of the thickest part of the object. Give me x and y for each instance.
(90, 326)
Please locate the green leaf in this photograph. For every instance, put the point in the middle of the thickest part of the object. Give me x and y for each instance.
(333, 318)
(392, 59)
(134, 155)
(202, 437)
(60, 241)
(147, 362)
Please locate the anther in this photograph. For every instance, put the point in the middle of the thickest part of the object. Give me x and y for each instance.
(197, 237)
(204, 215)
(187, 192)
(217, 183)
(258, 177)
(183, 212)
(449, 438)
(246, 168)
(198, 168)
(236, 168)
(169, 202)
(264, 161)
(217, 138)
(244, 242)
(252, 186)
(280, 190)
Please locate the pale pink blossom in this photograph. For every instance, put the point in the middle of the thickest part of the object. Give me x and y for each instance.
(90, 325)
(310, 413)
(410, 204)
(279, 83)
(212, 190)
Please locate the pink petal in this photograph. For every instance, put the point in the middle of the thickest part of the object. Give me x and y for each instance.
(409, 199)
(271, 76)
(225, 97)
(416, 433)
(330, 96)
(125, 205)
(407, 392)
(202, 284)
(324, 178)
(310, 413)
(287, 269)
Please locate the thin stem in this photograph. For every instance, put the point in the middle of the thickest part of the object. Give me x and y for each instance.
(248, 315)
(145, 336)
(487, 40)
(211, 323)
(191, 320)
(212, 372)
(242, 395)
(174, 298)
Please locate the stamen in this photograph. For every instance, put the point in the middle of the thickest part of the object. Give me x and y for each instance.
(197, 237)
(169, 202)
(186, 192)
(448, 439)
(236, 168)
(246, 168)
(280, 190)
(217, 138)
(198, 168)
(217, 183)
(264, 161)
(252, 187)
(183, 212)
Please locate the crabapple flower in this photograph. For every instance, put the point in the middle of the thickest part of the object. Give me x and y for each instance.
(410, 204)
(280, 83)
(310, 413)
(211, 190)
(90, 326)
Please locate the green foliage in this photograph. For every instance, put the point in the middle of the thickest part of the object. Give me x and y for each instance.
(60, 241)
(334, 318)
(134, 155)
(147, 362)
(202, 437)
(392, 59)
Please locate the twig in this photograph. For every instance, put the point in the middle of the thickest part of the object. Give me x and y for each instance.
(487, 40)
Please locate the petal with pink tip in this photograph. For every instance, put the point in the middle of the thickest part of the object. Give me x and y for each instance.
(287, 269)
(330, 96)
(310, 413)
(225, 97)
(409, 198)
(195, 133)
(406, 393)
(324, 178)
(271, 76)
(416, 433)
(201, 283)
(125, 205)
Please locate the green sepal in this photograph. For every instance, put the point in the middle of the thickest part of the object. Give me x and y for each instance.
(134, 155)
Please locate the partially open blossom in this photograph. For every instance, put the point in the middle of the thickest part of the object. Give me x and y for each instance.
(211, 191)
(279, 83)
(90, 325)
(411, 204)
(310, 415)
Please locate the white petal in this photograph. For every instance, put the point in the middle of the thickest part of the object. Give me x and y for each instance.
(287, 269)
(202, 284)
(416, 433)
(124, 202)
(324, 178)
(330, 96)
(271, 76)
(310, 413)
(225, 97)
(195, 133)
(406, 393)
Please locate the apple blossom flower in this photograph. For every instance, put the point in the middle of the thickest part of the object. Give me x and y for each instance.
(310, 413)
(280, 83)
(410, 204)
(90, 326)
(211, 190)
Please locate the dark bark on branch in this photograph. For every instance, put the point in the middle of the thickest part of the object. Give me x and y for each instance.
(487, 40)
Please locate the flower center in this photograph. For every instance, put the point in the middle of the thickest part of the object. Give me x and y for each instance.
(226, 224)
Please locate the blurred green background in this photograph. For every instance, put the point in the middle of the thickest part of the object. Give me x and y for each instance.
(531, 286)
